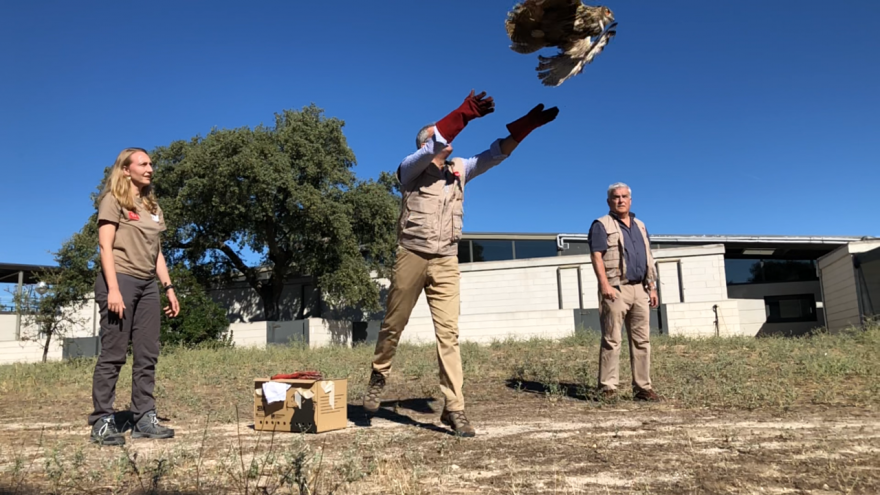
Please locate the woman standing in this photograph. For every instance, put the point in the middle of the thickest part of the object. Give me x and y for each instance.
(129, 225)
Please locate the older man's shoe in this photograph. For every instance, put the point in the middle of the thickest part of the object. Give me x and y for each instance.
(606, 395)
(647, 396)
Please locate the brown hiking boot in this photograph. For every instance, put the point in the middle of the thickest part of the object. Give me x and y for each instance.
(458, 422)
(373, 398)
(647, 396)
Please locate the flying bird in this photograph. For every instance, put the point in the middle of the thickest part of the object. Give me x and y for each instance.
(579, 31)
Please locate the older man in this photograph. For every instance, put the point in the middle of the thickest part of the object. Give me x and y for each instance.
(621, 253)
(429, 229)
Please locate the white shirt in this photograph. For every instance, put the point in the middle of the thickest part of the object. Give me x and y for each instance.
(413, 165)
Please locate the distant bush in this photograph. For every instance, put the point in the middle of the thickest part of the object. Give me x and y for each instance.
(201, 320)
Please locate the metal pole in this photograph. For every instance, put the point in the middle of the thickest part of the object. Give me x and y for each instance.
(18, 306)
(580, 290)
(559, 285)
(680, 282)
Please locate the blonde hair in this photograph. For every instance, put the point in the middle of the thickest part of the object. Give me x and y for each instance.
(120, 187)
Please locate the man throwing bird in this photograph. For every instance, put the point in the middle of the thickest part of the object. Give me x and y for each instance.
(428, 232)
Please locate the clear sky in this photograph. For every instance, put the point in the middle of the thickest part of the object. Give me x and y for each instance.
(747, 117)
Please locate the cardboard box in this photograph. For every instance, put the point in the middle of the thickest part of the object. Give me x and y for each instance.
(311, 406)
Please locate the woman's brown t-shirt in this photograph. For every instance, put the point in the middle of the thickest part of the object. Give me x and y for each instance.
(136, 247)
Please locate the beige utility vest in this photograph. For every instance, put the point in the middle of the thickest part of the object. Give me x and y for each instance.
(432, 210)
(614, 259)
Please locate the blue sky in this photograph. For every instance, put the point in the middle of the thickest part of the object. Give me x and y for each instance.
(725, 117)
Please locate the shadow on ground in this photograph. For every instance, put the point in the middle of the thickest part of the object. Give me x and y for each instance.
(389, 411)
(570, 390)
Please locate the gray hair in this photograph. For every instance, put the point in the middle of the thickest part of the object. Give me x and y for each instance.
(422, 136)
(616, 186)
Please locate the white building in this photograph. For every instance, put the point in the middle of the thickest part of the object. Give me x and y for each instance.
(20, 342)
(520, 285)
(524, 285)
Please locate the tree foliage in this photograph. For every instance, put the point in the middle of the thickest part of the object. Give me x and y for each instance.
(269, 203)
(201, 320)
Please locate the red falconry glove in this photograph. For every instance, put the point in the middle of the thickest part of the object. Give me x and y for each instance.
(298, 375)
(471, 108)
(521, 127)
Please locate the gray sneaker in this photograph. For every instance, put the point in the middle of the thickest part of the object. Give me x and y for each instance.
(148, 427)
(104, 432)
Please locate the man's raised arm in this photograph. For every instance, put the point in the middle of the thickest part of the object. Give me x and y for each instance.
(438, 145)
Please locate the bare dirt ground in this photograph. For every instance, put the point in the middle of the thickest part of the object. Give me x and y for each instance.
(526, 443)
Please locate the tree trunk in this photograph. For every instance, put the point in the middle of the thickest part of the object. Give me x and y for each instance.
(302, 301)
(271, 300)
(46, 346)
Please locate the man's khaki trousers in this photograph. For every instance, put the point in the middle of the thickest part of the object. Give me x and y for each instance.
(631, 306)
(439, 277)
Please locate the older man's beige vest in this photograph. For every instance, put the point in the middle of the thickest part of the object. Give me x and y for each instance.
(615, 261)
(432, 210)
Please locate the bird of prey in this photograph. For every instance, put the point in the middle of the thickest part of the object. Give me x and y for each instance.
(579, 31)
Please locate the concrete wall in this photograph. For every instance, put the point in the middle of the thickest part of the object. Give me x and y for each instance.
(702, 277)
(27, 351)
(837, 277)
(518, 285)
(7, 327)
(243, 304)
(669, 286)
(736, 317)
(315, 332)
(497, 296)
(30, 348)
(502, 299)
(517, 299)
(685, 276)
(250, 334)
(759, 291)
(841, 303)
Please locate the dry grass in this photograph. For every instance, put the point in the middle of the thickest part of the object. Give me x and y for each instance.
(788, 415)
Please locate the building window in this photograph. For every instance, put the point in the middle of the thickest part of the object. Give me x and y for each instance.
(485, 250)
(763, 271)
(790, 308)
(534, 249)
(464, 252)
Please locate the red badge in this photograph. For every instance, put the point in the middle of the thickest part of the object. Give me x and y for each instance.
(133, 216)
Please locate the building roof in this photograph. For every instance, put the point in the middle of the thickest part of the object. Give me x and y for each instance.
(680, 238)
(9, 272)
(757, 239)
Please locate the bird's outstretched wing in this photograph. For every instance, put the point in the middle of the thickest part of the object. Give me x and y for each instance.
(553, 71)
(535, 24)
